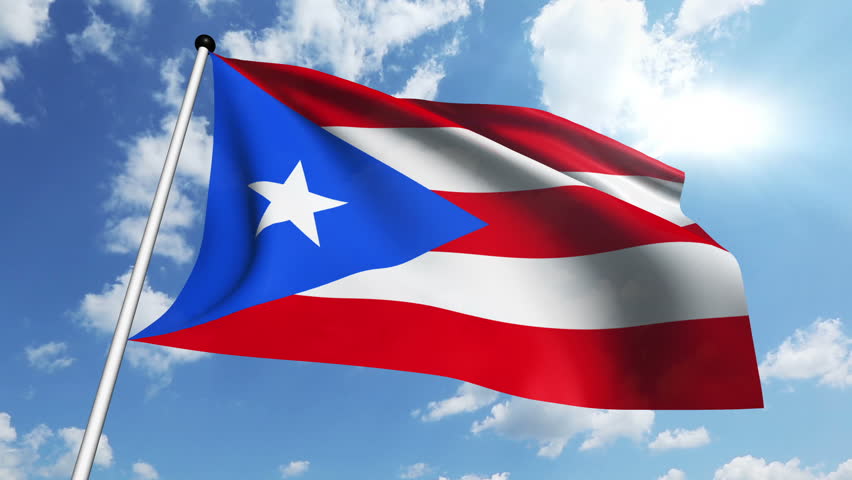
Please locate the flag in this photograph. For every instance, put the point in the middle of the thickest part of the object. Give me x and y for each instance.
(503, 246)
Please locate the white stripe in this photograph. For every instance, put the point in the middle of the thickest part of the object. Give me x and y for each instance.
(453, 159)
(635, 286)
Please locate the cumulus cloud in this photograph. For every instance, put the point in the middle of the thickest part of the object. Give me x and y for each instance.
(751, 468)
(23, 21)
(144, 471)
(680, 438)
(350, 37)
(553, 425)
(673, 474)
(134, 186)
(96, 38)
(602, 65)
(49, 357)
(21, 458)
(468, 398)
(822, 351)
(294, 468)
(697, 15)
(415, 471)
(9, 70)
(99, 311)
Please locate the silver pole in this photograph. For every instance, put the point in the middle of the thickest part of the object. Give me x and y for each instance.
(89, 445)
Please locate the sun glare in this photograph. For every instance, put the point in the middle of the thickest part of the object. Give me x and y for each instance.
(710, 122)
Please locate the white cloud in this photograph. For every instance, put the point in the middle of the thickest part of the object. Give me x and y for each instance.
(822, 351)
(673, 474)
(351, 37)
(20, 460)
(23, 21)
(294, 468)
(553, 425)
(7, 431)
(601, 65)
(49, 357)
(496, 476)
(751, 468)
(423, 83)
(680, 438)
(415, 471)
(72, 437)
(96, 38)
(204, 5)
(132, 8)
(134, 186)
(697, 15)
(9, 70)
(468, 398)
(144, 471)
(99, 311)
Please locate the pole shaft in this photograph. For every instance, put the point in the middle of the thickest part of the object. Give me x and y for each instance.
(89, 445)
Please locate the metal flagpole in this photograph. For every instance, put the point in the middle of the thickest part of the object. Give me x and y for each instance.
(89, 446)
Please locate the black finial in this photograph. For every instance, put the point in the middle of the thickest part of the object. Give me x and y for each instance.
(205, 41)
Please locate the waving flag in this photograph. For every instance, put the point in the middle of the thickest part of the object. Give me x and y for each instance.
(500, 245)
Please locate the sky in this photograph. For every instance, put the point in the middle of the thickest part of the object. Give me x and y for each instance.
(748, 97)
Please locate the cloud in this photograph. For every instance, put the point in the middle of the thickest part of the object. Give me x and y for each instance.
(20, 459)
(697, 15)
(96, 38)
(680, 438)
(23, 21)
(134, 186)
(72, 437)
(49, 357)
(602, 65)
(131, 8)
(423, 83)
(468, 398)
(144, 471)
(673, 474)
(294, 468)
(7, 431)
(350, 37)
(751, 468)
(99, 311)
(204, 5)
(496, 476)
(9, 70)
(822, 351)
(415, 471)
(553, 425)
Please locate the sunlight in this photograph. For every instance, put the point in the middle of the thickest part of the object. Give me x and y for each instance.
(709, 122)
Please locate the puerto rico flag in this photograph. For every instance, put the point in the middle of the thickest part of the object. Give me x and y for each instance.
(499, 245)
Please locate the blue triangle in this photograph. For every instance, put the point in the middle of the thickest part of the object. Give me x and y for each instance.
(388, 219)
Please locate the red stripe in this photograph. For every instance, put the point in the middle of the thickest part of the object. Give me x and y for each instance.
(331, 101)
(694, 364)
(552, 140)
(560, 222)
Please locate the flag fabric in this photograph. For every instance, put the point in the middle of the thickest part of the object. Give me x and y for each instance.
(503, 246)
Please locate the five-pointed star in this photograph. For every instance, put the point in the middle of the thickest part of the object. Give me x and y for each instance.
(292, 202)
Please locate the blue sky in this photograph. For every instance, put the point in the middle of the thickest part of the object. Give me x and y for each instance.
(748, 97)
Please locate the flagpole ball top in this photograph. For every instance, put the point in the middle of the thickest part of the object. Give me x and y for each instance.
(205, 41)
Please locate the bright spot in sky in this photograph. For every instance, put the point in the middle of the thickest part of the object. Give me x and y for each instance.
(708, 122)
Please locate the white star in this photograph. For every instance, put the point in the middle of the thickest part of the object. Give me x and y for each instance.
(292, 202)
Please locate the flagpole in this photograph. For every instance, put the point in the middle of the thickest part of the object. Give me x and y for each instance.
(88, 447)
